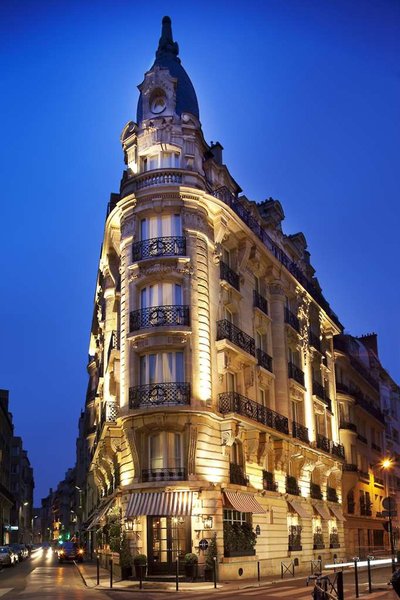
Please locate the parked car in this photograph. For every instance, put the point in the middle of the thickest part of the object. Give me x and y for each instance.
(7, 557)
(20, 550)
(70, 551)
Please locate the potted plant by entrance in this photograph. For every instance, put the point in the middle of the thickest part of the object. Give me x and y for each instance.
(190, 563)
(140, 562)
(210, 555)
(125, 559)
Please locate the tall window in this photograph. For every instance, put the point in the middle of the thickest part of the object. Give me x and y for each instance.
(160, 226)
(163, 367)
(163, 160)
(165, 450)
(161, 294)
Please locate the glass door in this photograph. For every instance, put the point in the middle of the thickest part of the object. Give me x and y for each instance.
(167, 539)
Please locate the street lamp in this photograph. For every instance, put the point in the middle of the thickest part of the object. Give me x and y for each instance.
(389, 504)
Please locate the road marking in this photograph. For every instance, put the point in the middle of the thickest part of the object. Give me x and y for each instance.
(4, 591)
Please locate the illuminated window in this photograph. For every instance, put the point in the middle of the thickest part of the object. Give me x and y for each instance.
(163, 367)
(160, 226)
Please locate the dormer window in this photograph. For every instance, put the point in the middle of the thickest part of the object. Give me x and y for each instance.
(158, 104)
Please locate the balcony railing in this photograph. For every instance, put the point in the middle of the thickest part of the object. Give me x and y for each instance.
(114, 343)
(226, 330)
(159, 394)
(237, 474)
(292, 487)
(350, 467)
(109, 412)
(268, 482)
(160, 246)
(225, 195)
(159, 316)
(173, 474)
(315, 491)
(323, 443)
(295, 373)
(338, 450)
(291, 319)
(331, 494)
(362, 438)
(315, 341)
(342, 388)
(158, 177)
(229, 275)
(300, 432)
(376, 447)
(369, 407)
(348, 425)
(364, 474)
(260, 302)
(234, 402)
(318, 390)
(264, 360)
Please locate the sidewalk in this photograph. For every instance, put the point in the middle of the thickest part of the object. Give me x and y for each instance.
(88, 572)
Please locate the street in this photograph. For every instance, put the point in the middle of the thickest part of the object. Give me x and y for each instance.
(42, 578)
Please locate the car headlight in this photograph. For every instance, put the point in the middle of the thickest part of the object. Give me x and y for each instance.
(80, 551)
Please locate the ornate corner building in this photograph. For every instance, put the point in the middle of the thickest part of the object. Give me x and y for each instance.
(211, 407)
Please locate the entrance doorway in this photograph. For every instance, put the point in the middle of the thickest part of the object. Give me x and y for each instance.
(167, 538)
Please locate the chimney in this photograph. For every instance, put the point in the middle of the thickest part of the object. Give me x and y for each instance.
(216, 150)
(370, 340)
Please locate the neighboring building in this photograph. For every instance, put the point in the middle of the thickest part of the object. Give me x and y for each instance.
(63, 508)
(211, 405)
(37, 537)
(6, 497)
(22, 485)
(47, 519)
(362, 430)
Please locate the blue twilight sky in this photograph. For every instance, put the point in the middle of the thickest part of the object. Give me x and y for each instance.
(303, 95)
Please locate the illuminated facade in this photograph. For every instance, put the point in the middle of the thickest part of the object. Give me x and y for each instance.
(211, 405)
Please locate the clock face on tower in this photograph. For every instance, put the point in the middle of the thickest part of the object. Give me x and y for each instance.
(158, 104)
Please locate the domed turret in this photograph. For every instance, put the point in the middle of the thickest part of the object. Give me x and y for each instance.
(167, 58)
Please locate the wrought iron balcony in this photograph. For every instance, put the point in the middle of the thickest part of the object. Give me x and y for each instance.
(292, 487)
(114, 343)
(348, 425)
(314, 341)
(226, 330)
(369, 407)
(227, 274)
(268, 482)
(318, 541)
(264, 360)
(234, 402)
(350, 467)
(237, 474)
(331, 494)
(364, 475)
(323, 443)
(295, 373)
(376, 447)
(260, 302)
(315, 491)
(159, 394)
(291, 319)
(342, 388)
(160, 246)
(294, 541)
(109, 412)
(159, 316)
(338, 450)
(300, 432)
(318, 389)
(167, 474)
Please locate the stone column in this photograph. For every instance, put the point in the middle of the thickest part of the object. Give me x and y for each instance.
(278, 334)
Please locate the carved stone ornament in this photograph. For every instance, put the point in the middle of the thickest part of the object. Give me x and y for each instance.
(276, 289)
(217, 254)
(128, 226)
(192, 450)
(303, 314)
(228, 439)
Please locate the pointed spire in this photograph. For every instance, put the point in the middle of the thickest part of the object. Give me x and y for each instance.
(166, 45)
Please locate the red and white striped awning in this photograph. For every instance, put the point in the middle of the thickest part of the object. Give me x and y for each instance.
(160, 504)
(244, 502)
(99, 514)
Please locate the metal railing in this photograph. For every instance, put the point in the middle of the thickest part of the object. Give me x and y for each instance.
(331, 494)
(264, 359)
(159, 316)
(292, 487)
(300, 432)
(234, 402)
(159, 394)
(237, 474)
(338, 450)
(315, 491)
(295, 373)
(323, 443)
(160, 246)
(227, 330)
(229, 275)
(260, 302)
(291, 319)
(167, 474)
(268, 482)
(348, 425)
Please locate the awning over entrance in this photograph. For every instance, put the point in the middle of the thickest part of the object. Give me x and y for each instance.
(323, 511)
(337, 512)
(244, 502)
(154, 504)
(299, 508)
(99, 514)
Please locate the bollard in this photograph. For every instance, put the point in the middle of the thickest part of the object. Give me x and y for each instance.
(111, 572)
(339, 586)
(98, 569)
(177, 574)
(369, 574)
(215, 571)
(258, 571)
(356, 575)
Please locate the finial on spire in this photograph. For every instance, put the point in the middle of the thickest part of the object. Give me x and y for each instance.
(166, 45)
